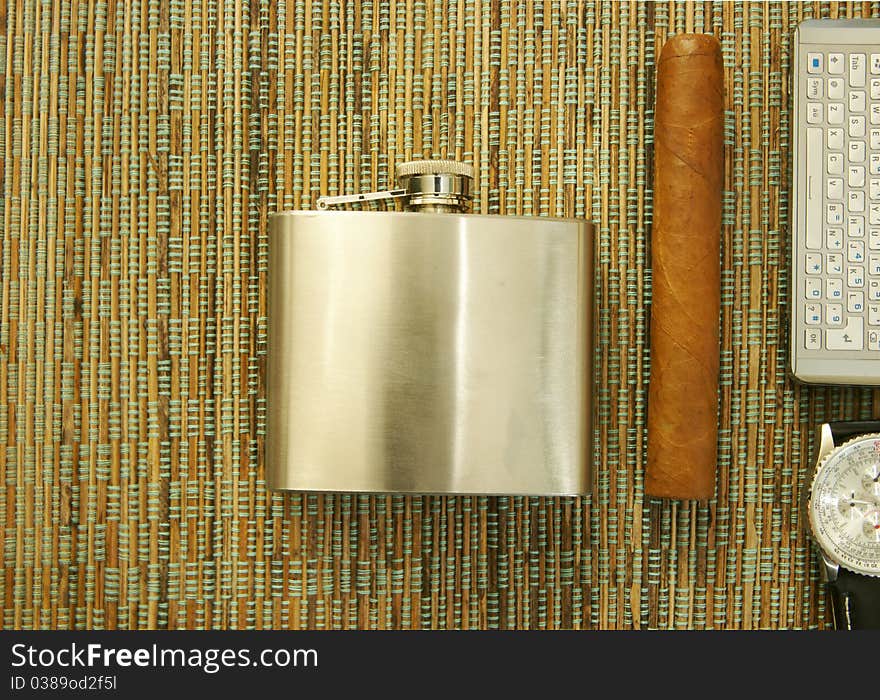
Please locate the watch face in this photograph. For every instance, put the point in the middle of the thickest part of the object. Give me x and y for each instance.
(845, 505)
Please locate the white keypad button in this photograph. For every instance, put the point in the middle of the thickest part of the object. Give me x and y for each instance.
(813, 339)
(815, 62)
(856, 200)
(856, 126)
(855, 251)
(836, 63)
(835, 164)
(834, 289)
(856, 151)
(874, 164)
(834, 238)
(874, 290)
(835, 138)
(814, 113)
(835, 113)
(814, 289)
(850, 337)
(855, 302)
(856, 175)
(874, 314)
(875, 64)
(855, 226)
(815, 88)
(874, 216)
(875, 88)
(875, 139)
(835, 88)
(834, 314)
(814, 264)
(857, 101)
(835, 263)
(874, 265)
(873, 340)
(857, 69)
(834, 213)
(874, 191)
(813, 314)
(875, 113)
(855, 277)
(834, 188)
(874, 238)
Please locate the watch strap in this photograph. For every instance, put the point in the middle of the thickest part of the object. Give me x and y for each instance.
(856, 601)
(842, 431)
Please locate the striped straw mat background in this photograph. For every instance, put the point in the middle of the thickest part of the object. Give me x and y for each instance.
(144, 144)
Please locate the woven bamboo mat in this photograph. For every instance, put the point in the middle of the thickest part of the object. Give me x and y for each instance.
(143, 146)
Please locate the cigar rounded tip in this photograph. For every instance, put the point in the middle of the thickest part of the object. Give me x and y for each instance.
(689, 45)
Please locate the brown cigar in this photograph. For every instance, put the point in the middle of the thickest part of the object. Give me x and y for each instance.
(685, 242)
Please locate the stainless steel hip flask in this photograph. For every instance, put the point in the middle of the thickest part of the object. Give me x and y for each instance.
(429, 351)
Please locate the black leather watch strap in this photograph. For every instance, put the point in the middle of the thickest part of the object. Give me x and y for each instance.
(856, 601)
(842, 431)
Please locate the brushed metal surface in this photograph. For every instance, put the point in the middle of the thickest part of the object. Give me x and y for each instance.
(429, 353)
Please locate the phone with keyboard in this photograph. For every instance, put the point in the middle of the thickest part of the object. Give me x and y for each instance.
(835, 203)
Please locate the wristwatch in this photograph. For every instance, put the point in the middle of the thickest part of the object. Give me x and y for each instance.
(844, 520)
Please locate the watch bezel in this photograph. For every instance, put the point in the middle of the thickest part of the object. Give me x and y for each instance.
(827, 548)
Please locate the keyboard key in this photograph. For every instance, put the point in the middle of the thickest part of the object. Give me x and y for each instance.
(874, 314)
(874, 192)
(834, 213)
(874, 164)
(850, 337)
(857, 70)
(813, 339)
(815, 88)
(855, 277)
(856, 175)
(835, 113)
(874, 290)
(835, 138)
(875, 139)
(815, 63)
(874, 265)
(835, 88)
(836, 63)
(834, 238)
(834, 188)
(874, 238)
(814, 113)
(856, 151)
(855, 251)
(874, 215)
(814, 289)
(875, 113)
(857, 101)
(813, 314)
(813, 237)
(855, 226)
(873, 340)
(835, 160)
(855, 302)
(814, 263)
(835, 263)
(856, 200)
(875, 89)
(875, 64)
(856, 126)
(833, 289)
(834, 314)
